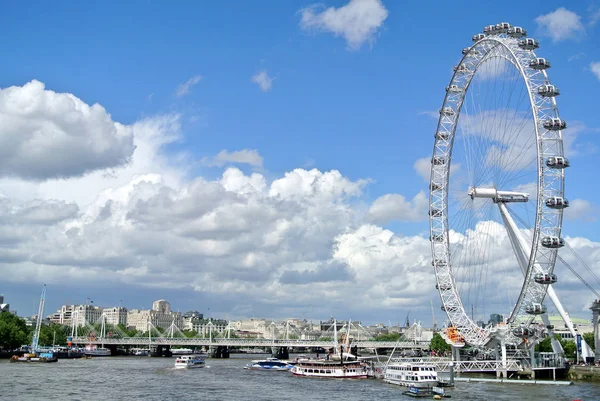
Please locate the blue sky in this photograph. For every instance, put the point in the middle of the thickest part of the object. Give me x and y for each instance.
(362, 108)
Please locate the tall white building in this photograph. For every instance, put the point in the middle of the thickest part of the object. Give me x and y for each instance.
(80, 315)
(159, 316)
(116, 315)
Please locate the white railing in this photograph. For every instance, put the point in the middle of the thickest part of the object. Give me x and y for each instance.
(246, 342)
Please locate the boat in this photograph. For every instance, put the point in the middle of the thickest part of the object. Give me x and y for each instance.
(189, 361)
(141, 352)
(41, 357)
(413, 375)
(437, 393)
(269, 364)
(35, 354)
(93, 350)
(182, 351)
(348, 369)
(338, 364)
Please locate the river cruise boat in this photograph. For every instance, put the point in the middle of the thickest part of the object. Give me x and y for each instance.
(189, 362)
(411, 375)
(41, 357)
(331, 369)
(269, 364)
(93, 350)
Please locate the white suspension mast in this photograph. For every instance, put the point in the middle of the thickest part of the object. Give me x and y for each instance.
(38, 323)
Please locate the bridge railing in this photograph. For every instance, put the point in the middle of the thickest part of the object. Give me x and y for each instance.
(239, 342)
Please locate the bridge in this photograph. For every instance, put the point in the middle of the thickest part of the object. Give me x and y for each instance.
(239, 342)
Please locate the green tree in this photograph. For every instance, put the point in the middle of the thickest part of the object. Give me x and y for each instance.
(569, 347)
(589, 339)
(53, 334)
(13, 331)
(438, 344)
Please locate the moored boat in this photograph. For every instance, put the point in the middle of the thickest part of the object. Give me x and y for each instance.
(42, 357)
(412, 375)
(189, 361)
(93, 350)
(269, 364)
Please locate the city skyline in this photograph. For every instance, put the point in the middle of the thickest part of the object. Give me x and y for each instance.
(250, 161)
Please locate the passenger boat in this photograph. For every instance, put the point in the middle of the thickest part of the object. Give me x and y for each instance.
(269, 364)
(353, 369)
(411, 375)
(93, 350)
(189, 361)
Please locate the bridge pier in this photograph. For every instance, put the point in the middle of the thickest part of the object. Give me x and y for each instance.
(281, 353)
(161, 350)
(220, 351)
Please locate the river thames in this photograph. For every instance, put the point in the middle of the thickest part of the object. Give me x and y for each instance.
(132, 378)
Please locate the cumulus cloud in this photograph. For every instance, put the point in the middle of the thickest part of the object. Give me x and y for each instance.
(263, 80)
(185, 88)
(44, 134)
(392, 207)
(561, 24)
(357, 22)
(595, 68)
(244, 156)
(581, 209)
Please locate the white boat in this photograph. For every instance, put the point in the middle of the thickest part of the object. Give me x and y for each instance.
(189, 361)
(269, 364)
(141, 352)
(93, 350)
(182, 351)
(331, 369)
(409, 374)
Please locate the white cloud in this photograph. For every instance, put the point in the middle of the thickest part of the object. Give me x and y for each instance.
(263, 80)
(392, 207)
(244, 156)
(580, 209)
(44, 134)
(184, 88)
(561, 24)
(595, 68)
(423, 167)
(357, 21)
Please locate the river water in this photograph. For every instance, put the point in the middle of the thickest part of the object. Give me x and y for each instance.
(133, 378)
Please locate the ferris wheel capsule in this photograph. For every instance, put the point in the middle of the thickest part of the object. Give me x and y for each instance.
(502, 27)
(516, 32)
(554, 124)
(539, 63)
(545, 278)
(557, 202)
(529, 44)
(548, 90)
(477, 37)
(557, 162)
(553, 242)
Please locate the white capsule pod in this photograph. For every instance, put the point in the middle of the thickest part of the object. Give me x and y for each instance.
(545, 278)
(557, 202)
(442, 135)
(516, 32)
(554, 124)
(435, 187)
(557, 162)
(435, 213)
(447, 111)
(539, 64)
(489, 29)
(553, 242)
(443, 287)
(535, 309)
(502, 27)
(477, 37)
(437, 238)
(529, 44)
(548, 90)
(438, 160)
(522, 332)
(461, 69)
(454, 89)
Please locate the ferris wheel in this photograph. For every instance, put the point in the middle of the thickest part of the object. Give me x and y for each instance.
(497, 184)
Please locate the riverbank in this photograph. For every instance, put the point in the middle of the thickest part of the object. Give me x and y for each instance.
(584, 373)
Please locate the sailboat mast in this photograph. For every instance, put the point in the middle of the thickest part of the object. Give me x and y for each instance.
(38, 323)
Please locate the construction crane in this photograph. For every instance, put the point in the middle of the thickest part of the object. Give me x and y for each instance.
(38, 323)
